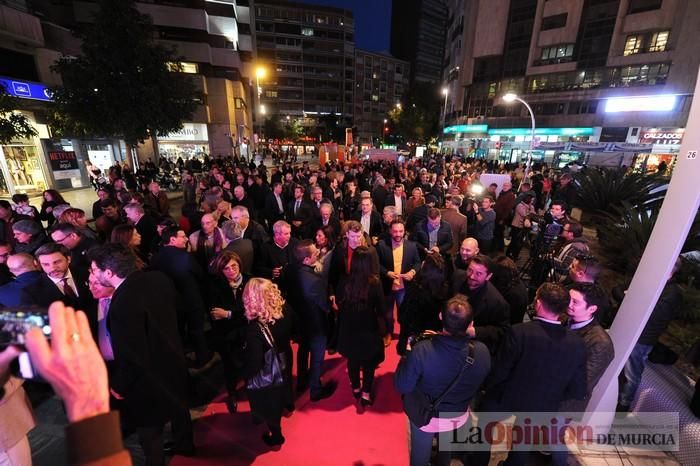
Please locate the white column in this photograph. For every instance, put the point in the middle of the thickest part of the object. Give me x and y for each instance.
(675, 218)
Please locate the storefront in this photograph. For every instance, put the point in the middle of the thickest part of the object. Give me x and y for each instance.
(23, 169)
(192, 141)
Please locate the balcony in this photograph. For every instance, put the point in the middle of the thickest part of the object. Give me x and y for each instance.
(20, 26)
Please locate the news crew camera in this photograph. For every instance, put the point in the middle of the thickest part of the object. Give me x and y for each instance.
(547, 228)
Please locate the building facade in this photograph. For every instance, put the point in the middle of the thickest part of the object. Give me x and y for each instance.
(418, 37)
(380, 82)
(607, 80)
(213, 37)
(306, 57)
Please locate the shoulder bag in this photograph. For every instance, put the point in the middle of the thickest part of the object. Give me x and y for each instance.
(420, 407)
(272, 372)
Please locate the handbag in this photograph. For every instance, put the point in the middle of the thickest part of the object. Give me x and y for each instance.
(420, 407)
(272, 372)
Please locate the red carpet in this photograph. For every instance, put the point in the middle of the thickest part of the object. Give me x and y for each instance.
(329, 432)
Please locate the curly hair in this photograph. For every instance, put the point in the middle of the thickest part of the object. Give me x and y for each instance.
(263, 301)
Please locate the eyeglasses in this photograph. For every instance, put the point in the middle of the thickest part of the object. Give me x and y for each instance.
(60, 240)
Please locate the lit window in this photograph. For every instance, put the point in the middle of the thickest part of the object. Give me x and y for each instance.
(658, 41)
(375, 97)
(183, 67)
(307, 32)
(633, 45)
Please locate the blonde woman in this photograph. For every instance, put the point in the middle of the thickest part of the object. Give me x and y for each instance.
(265, 311)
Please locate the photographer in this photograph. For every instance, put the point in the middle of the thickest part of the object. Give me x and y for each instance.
(73, 366)
(433, 364)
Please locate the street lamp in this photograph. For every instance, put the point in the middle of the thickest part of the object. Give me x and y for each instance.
(260, 73)
(445, 92)
(510, 98)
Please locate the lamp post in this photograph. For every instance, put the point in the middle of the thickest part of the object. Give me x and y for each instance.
(509, 98)
(445, 92)
(259, 74)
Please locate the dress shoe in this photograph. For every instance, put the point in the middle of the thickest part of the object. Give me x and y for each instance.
(215, 359)
(356, 393)
(231, 404)
(326, 391)
(366, 399)
(169, 449)
(272, 440)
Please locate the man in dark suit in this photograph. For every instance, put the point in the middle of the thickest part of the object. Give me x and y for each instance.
(187, 275)
(491, 311)
(540, 364)
(300, 214)
(398, 200)
(78, 244)
(145, 225)
(328, 219)
(147, 371)
(250, 229)
(310, 298)
(398, 263)
(26, 271)
(276, 255)
(457, 221)
(61, 282)
(369, 219)
(434, 235)
(274, 205)
(379, 193)
(241, 246)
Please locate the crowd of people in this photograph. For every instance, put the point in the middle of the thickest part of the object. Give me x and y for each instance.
(328, 258)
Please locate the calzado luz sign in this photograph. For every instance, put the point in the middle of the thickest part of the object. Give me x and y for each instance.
(664, 136)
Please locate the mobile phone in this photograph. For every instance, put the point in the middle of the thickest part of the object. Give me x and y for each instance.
(16, 322)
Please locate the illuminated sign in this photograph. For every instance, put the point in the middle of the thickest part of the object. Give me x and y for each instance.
(662, 136)
(466, 129)
(649, 103)
(573, 132)
(26, 89)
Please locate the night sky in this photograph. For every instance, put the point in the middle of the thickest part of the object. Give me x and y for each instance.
(372, 21)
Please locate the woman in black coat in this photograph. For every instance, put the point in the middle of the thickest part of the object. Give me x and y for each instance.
(506, 279)
(264, 307)
(229, 322)
(360, 324)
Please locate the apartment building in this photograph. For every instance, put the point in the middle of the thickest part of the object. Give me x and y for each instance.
(607, 80)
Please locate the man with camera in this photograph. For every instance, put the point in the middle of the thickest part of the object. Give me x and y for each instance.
(437, 366)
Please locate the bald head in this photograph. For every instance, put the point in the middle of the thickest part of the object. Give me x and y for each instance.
(21, 263)
(468, 249)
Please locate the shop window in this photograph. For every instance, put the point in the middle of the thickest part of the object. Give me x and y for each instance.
(554, 22)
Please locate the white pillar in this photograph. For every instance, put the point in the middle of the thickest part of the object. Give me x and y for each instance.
(675, 218)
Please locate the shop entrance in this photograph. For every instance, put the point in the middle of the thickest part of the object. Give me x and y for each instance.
(22, 170)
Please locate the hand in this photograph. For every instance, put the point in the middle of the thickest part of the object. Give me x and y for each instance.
(217, 313)
(49, 209)
(296, 223)
(434, 250)
(471, 331)
(276, 272)
(408, 276)
(6, 358)
(334, 304)
(392, 275)
(72, 364)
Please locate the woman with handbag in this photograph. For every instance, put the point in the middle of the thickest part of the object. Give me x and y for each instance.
(229, 321)
(268, 356)
(360, 324)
